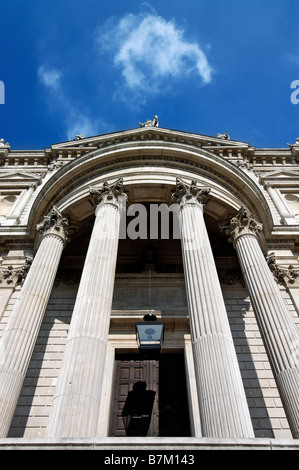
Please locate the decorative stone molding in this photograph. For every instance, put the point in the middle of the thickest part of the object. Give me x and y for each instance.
(190, 193)
(283, 275)
(15, 276)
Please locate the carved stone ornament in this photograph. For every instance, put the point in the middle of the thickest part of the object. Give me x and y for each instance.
(242, 222)
(283, 275)
(14, 276)
(108, 192)
(190, 192)
(56, 223)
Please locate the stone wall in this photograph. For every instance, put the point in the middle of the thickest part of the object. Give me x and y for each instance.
(265, 406)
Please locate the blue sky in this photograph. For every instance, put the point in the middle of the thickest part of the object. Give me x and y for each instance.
(100, 66)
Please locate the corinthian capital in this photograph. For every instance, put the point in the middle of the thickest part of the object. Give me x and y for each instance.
(243, 222)
(54, 223)
(108, 192)
(190, 192)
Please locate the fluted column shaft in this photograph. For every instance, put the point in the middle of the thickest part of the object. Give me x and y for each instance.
(222, 401)
(20, 335)
(280, 335)
(77, 398)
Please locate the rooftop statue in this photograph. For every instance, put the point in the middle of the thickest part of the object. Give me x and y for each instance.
(295, 144)
(223, 136)
(150, 123)
(3, 143)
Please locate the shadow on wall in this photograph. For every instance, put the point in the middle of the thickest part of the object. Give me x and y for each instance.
(238, 307)
(138, 409)
(34, 405)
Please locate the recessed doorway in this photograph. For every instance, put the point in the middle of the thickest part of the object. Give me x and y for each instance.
(150, 397)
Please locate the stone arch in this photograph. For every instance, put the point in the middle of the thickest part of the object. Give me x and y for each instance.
(150, 168)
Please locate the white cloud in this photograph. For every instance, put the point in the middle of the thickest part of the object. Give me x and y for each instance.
(152, 53)
(49, 77)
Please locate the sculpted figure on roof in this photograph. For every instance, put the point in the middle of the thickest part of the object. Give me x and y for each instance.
(150, 123)
(224, 136)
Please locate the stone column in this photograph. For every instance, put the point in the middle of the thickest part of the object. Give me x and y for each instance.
(78, 393)
(280, 335)
(222, 401)
(20, 335)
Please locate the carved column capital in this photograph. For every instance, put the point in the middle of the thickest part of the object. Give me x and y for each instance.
(108, 193)
(190, 193)
(54, 223)
(243, 223)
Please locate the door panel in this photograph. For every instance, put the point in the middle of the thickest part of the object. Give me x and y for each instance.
(149, 397)
(173, 403)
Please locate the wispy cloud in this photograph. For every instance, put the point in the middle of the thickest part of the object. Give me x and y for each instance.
(75, 117)
(50, 77)
(152, 53)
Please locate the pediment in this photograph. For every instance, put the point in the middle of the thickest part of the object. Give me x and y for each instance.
(280, 176)
(18, 178)
(83, 144)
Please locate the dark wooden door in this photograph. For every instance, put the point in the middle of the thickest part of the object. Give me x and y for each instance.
(173, 402)
(149, 397)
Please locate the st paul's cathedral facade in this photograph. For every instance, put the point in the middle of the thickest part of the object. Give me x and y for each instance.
(149, 293)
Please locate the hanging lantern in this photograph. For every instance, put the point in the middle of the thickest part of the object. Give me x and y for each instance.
(150, 334)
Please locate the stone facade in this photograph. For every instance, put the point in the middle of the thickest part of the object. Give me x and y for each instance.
(72, 286)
